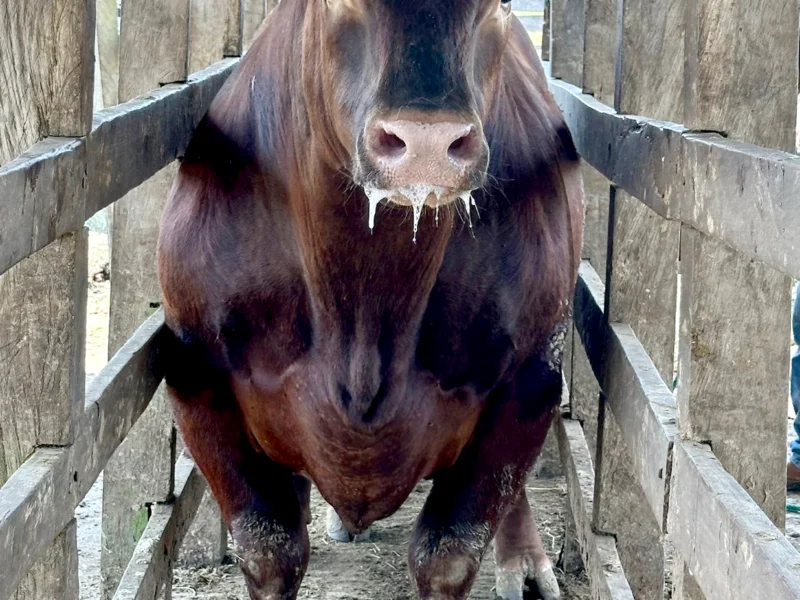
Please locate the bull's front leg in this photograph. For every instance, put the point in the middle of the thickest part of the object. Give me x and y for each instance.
(262, 503)
(470, 501)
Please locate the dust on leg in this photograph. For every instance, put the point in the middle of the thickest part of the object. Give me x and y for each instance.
(520, 556)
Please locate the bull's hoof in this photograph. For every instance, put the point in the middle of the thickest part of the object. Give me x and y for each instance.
(510, 584)
(548, 584)
(338, 532)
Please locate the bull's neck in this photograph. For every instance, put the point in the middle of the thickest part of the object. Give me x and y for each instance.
(366, 284)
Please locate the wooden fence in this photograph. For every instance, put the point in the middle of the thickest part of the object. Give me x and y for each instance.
(61, 161)
(674, 440)
(694, 228)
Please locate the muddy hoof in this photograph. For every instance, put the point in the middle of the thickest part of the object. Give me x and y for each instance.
(510, 584)
(338, 532)
(547, 584)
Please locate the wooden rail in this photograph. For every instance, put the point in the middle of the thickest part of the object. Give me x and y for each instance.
(695, 229)
(740, 193)
(127, 145)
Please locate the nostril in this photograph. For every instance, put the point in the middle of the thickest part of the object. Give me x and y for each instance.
(465, 149)
(387, 145)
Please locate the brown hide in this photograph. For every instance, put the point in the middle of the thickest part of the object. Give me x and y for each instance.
(362, 360)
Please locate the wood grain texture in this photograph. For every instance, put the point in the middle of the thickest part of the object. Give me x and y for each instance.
(233, 28)
(599, 553)
(108, 51)
(153, 46)
(641, 290)
(596, 189)
(40, 498)
(737, 370)
(736, 51)
(55, 574)
(42, 334)
(207, 39)
(600, 49)
(253, 14)
(733, 357)
(650, 59)
(566, 40)
(149, 572)
(59, 182)
(46, 71)
(733, 550)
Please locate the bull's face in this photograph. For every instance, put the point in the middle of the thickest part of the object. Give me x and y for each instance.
(408, 84)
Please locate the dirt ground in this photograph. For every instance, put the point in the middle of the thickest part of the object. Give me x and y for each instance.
(376, 570)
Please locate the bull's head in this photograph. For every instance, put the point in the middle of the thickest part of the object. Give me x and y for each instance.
(406, 86)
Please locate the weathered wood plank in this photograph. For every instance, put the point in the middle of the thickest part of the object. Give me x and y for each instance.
(745, 196)
(55, 574)
(737, 192)
(546, 31)
(159, 545)
(42, 334)
(643, 406)
(233, 28)
(39, 499)
(566, 40)
(153, 45)
(638, 155)
(127, 145)
(732, 379)
(642, 292)
(600, 49)
(725, 78)
(108, 51)
(155, 48)
(207, 39)
(46, 69)
(730, 546)
(253, 14)
(741, 370)
(599, 552)
(132, 142)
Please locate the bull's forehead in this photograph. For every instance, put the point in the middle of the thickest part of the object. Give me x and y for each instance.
(425, 59)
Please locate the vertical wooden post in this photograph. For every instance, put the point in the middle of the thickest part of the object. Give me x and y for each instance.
(546, 31)
(47, 57)
(641, 283)
(108, 51)
(600, 52)
(253, 14)
(233, 28)
(154, 50)
(733, 340)
(566, 40)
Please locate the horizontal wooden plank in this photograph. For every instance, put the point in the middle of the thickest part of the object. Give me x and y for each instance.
(639, 155)
(39, 499)
(150, 566)
(745, 196)
(741, 194)
(599, 552)
(60, 182)
(131, 142)
(730, 546)
(643, 405)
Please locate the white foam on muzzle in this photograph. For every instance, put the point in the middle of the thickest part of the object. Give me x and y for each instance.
(416, 195)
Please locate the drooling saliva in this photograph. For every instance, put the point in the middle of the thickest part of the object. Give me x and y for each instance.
(417, 196)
